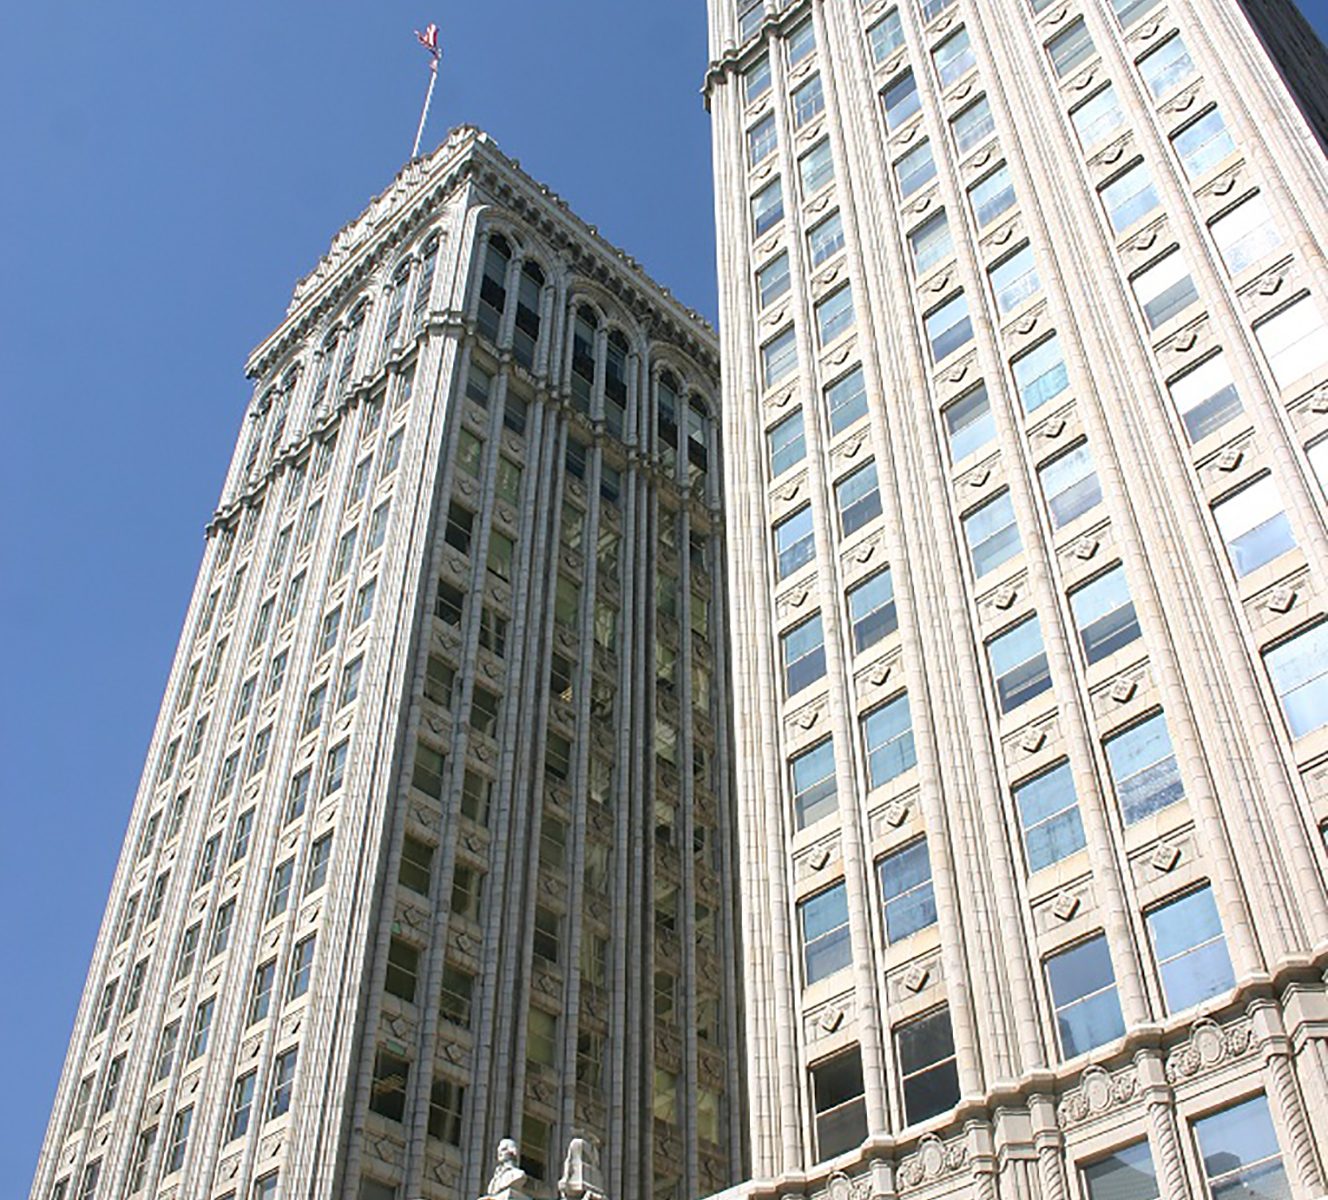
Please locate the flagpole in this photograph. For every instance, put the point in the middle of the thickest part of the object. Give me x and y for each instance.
(428, 99)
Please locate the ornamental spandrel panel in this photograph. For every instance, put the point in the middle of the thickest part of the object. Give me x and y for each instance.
(835, 360)
(1005, 235)
(917, 982)
(1026, 749)
(830, 1021)
(934, 1165)
(1087, 552)
(1123, 696)
(1099, 1095)
(1109, 160)
(818, 864)
(807, 723)
(1167, 853)
(1004, 603)
(1072, 900)
(850, 451)
(1210, 1047)
(959, 375)
(981, 161)
(1188, 346)
(879, 678)
(1229, 465)
(979, 482)
(789, 494)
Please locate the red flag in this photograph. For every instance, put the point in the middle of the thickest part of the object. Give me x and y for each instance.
(429, 39)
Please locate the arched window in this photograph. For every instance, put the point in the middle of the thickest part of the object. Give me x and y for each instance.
(666, 420)
(584, 330)
(698, 439)
(525, 336)
(396, 299)
(353, 331)
(615, 383)
(424, 288)
(493, 287)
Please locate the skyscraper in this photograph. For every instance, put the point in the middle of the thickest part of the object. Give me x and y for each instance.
(430, 847)
(1026, 431)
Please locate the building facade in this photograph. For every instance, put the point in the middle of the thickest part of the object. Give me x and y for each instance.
(1026, 430)
(431, 848)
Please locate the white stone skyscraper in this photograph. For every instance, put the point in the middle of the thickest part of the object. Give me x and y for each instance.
(1026, 439)
(431, 846)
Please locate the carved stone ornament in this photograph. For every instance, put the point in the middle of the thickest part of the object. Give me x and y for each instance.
(879, 674)
(1054, 428)
(1209, 1046)
(1033, 739)
(1086, 547)
(832, 1018)
(1270, 284)
(1123, 689)
(932, 1159)
(1282, 599)
(1230, 458)
(916, 978)
(819, 857)
(1098, 1093)
(1165, 857)
(1184, 341)
(508, 1179)
(1005, 597)
(1067, 904)
(896, 814)
(977, 478)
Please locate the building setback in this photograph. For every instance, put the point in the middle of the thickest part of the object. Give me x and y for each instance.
(431, 846)
(1026, 429)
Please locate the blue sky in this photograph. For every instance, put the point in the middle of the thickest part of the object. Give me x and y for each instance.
(171, 170)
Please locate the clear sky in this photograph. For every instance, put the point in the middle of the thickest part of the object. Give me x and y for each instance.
(170, 171)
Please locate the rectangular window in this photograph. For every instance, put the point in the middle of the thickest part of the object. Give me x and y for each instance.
(973, 125)
(1049, 815)
(969, 423)
(350, 682)
(548, 935)
(906, 891)
(170, 1036)
(387, 1093)
(1298, 668)
(1294, 340)
(460, 527)
(1083, 993)
(930, 243)
(1191, 950)
(841, 1108)
(1014, 280)
(283, 1080)
(1019, 665)
(858, 499)
(953, 58)
(1040, 373)
(787, 444)
(1165, 289)
(803, 649)
(1070, 48)
(808, 101)
(1167, 67)
(761, 140)
(795, 544)
(403, 968)
(313, 709)
(1104, 615)
(846, 400)
(201, 1028)
(336, 768)
(178, 1145)
(501, 553)
(415, 871)
(801, 42)
(1245, 234)
(779, 358)
(948, 327)
(772, 280)
(446, 1102)
(327, 637)
(931, 9)
(1126, 1174)
(768, 207)
(1129, 197)
(484, 707)
(302, 962)
(826, 947)
(888, 738)
(281, 888)
(992, 196)
(138, 1168)
(927, 1066)
(260, 1004)
(1070, 485)
(428, 771)
(1143, 769)
(871, 610)
(900, 100)
(756, 80)
(1241, 1156)
(320, 854)
(467, 892)
(1097, 119)
(834, 314)
(992, 535)
(1254, 525)
(813, 774)
(455, 1000)
(825, 238)
(886, 36)
(816, 168)
(915, 169)
(1202, 144)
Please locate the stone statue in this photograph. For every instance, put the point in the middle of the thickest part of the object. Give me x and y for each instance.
(508, 1177)
(581, 1175)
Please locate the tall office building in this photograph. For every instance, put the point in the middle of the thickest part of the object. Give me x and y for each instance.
(1025, 404)
(430, 848)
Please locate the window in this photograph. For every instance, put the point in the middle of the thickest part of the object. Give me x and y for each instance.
(900, 100)
(178, 1145)
(931, 9)
(313, 709)
(906, 891)
(416, 866)
(350, 682)
(1202, 144)
(476, 791)
(1294, 340)
(841, 1109)
(772, 280)
(1126, 1174)
(457, 995)
(170, 1036)
(756, 80)
(1049, 815)
(991, 196)
(927, 1066)
(826, 947)
(816, 168)
(364, 599)
(948, 327)
(915, 169)
(467, 891)
(535, 1137)
(260, 1004)
(973, 125)
(446, 1100)
(1019, 665)
(1129, 197)
(846, 400)
(387, 1093)
(1317, 455)
(1040, 373)
(336, 768)
(888, 735)
(813, 774)
(428, 771)
(1083, 993)
(1191, 952)
(1164, 289)
(281, 886)
(1167, 67)
(79, 1113)
(345, 553)
(992, 535)
(320, 854)
(787, 444)
(1070, 48)
(801, 42)
(803, 649)
(1070, 485)
(403, 966)
(484, 706)
(460, 527)
(779, 357)
(871, 610)
(953, 58)
(1104, 615)
(761, 140)
(794, 542)
(1097, 118)
(244, 826)
(188, 949)
(328, 634)
(1143, 769)
(110, 1090)
(1245, 234)
(930, 243)
(138, 1167)
(825, 238)
(548, 935)
(1254, 526)
(886, 36)
(302, 962)
(1240, 1153)
(1014, 279)
(834, 314)
(969, 423)
(1298, 668)
(808, 101)
(202, 1025)
(106, 1007)
(265, 1188)
(378, 525)
(768, 207)
(858, 499)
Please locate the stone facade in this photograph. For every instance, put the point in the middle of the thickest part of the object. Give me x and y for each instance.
(1026, 423)
(431, 843)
